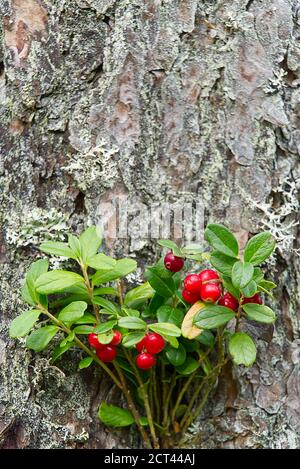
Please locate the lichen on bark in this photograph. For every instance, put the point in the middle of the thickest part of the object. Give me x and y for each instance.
(155, 100)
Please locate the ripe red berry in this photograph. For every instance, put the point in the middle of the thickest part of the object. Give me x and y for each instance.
(140, 345)
(192, 283)
(210, 292)
(173, 263)
(190, 297)
(116, 340)
(253, 299)
(208, 274)
(93, 341)
(145, 361)
(154, 343)
(107, 353)
(229, 301)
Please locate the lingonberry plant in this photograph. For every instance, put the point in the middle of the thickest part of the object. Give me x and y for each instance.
(163, 343)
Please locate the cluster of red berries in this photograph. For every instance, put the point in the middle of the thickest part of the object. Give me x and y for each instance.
(106, 352)
(205, 286)
(148, 347)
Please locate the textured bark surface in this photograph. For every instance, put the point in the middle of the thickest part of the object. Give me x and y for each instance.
(160, 100)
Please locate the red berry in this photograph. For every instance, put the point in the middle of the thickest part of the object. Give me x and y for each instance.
(190, 297)
(208, 274)
(116, 340)
(229, 301)
(154, 343)
(107, 353)
(210, 292)
(140, 345)
(173, 263)
(93, 341)
(145, 361)
(192, 283)
(253, 299)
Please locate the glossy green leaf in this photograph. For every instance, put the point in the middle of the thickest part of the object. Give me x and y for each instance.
(106, 304)
(242, 274)
(114, 416)
(176, 356)
(56, 280)
(213, 316)
(166, 243)
(37, 269)
(132, 338)
(22, 324)
(165, 287)
(90, 241)
(105, 291)
(206, 338)
(137, 296)
(222, 263)
(230, 288)
(60, 350)
(75, 245)
(171, 315)
(83, 329)
(123, 267)
(87, 318)
(250, 289)
(39, 339)
(242, 349)
(131, 322)
(101, 262)
(189, 366)
(57, 249)
(260, 313)
(105, 326)
(105, 337)
(165, 328)
(259, 248)
(85, 362)
(267, 285)
(221, 239)
(73, 311)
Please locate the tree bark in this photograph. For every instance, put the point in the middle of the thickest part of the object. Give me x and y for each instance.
(155, 100)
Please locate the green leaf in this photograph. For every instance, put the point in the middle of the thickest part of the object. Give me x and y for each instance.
(189, 366)
(166, 243)
(73, 311)
(87, 318)
(137, 296)
(25, 294)
(57, 280)
(132, 338)
(123, 267)
(75, 245)
(267, 285)
(37, 269)
(106, 304)
(242, 348)
(230, 288)
(105, 326)
(250, 289)
(163, 286)
(258, 274)
(101, 262)
(85, 362)
(90, 241)
(105, 337)
(192, 249)
(206, 338)
(171, 315)
(105, 291)
(165, 328)
(131, 322)
(114, 416)
(171, 340)
(60, 350)
(176, 356)
(242, 274)
(70, 337)
(213, 316)
(40, 338)
(22, 324)
(83, 329)
(57, 249)
(259, 248)
(260, 313)
(221, 239)
(130, 312)
(222, 263)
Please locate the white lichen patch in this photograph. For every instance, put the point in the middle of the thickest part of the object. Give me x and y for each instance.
(97, 164)
(32, 227)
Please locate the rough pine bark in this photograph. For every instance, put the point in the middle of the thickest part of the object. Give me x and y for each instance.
(158, 100)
